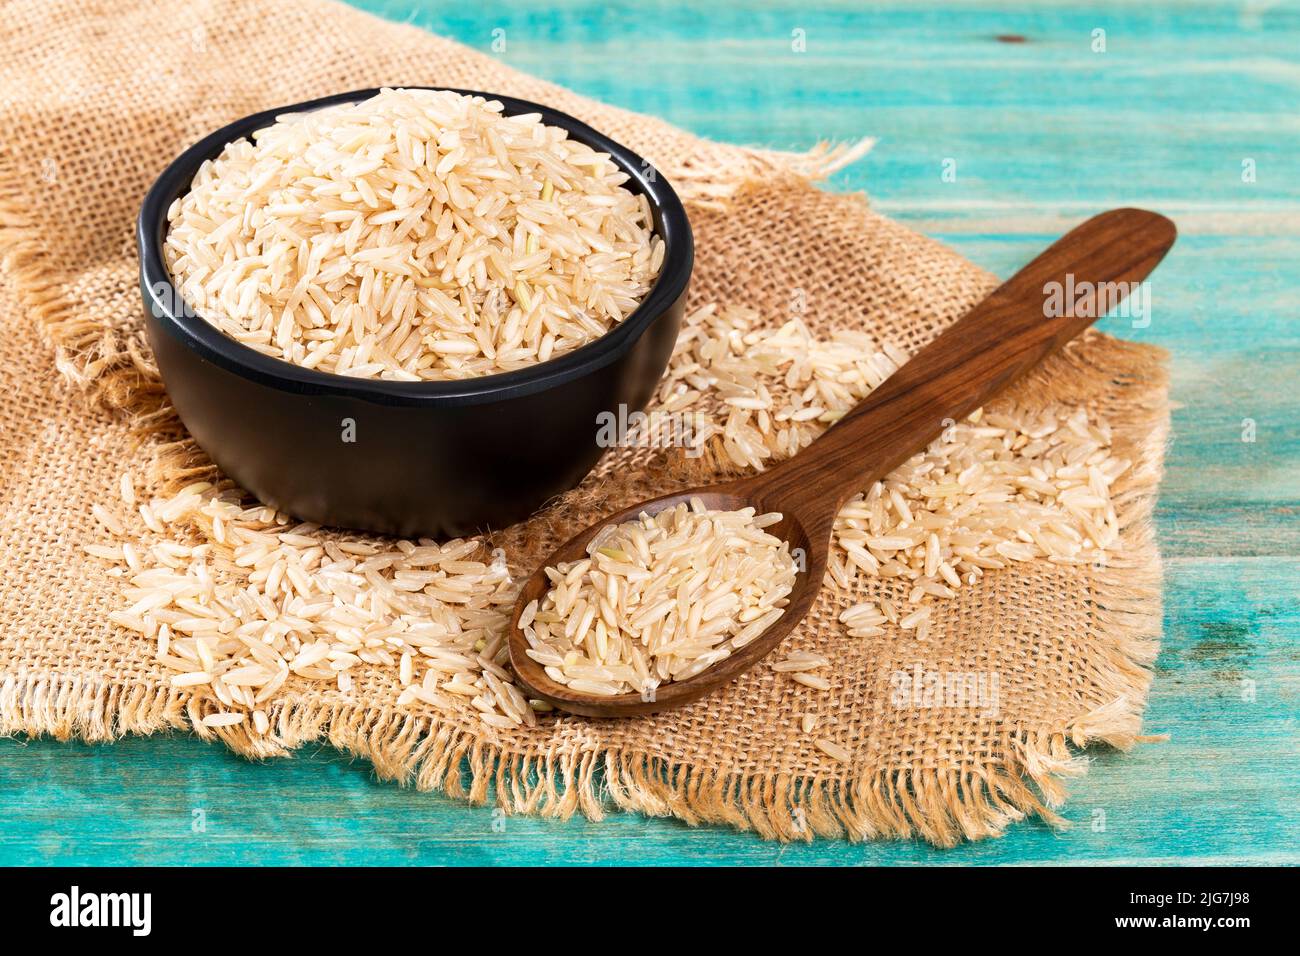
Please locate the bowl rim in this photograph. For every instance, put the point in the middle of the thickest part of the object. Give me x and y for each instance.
(200, 336)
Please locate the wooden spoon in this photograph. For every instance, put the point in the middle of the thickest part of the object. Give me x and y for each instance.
(991, 346)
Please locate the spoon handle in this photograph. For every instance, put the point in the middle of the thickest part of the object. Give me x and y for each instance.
(1023, 321)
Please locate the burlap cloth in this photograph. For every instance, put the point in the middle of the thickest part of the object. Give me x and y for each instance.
(98, 97)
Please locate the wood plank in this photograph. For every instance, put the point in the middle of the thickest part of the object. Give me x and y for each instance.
(1045, 132)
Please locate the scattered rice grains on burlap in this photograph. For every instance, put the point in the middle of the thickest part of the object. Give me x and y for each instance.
(1071, 644)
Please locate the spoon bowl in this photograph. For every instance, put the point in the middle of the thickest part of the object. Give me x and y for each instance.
(732, 496)
(1009, 333)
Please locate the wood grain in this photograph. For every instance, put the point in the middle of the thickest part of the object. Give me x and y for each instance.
(989, 348)
(1043, 133)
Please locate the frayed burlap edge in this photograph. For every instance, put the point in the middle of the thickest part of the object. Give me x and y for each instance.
(111, 367)
(108, 363)
(944, 806)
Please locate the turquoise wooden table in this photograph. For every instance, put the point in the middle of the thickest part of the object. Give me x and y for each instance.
(1050, 112)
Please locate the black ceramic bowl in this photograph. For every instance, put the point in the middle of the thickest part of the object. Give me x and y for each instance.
(427, 458)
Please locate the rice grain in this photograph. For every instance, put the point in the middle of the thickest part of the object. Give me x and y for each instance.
(416, 235)
(675, 593)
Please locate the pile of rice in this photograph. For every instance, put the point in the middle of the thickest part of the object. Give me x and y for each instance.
(764, 394)
(660, 599)
(1006, 484)
(241, 601)
(416, 235)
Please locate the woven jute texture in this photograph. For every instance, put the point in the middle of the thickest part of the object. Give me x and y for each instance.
(98, 97)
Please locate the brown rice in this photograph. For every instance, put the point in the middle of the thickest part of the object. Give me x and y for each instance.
(1006, 484)
(660, 599)
(240, 600)
(419, 234)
